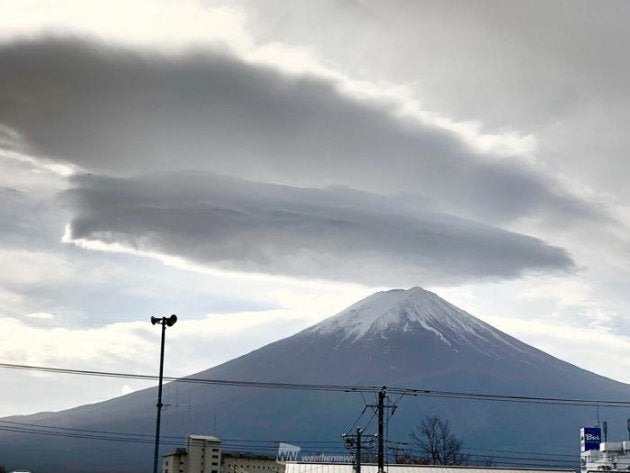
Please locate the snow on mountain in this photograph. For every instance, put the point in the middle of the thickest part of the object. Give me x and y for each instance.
(408, 310)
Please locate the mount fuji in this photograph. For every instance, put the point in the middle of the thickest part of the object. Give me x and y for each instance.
(399, 338)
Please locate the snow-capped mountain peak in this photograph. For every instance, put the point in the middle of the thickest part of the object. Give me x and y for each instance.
(399, 310)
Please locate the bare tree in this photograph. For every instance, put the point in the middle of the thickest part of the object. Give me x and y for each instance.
(437, 444)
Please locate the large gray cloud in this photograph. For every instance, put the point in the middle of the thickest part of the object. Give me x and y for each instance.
(550, 68)
(507, 63)
(119, 112)
(331, 233)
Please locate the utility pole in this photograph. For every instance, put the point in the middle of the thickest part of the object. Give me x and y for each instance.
(381, 435)
(380, 412)
(380, 407)
(353, 444)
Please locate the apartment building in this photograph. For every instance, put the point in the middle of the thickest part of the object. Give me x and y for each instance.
(201, 455)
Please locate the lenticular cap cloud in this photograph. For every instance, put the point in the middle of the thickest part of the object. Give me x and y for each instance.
(120, 111)
(333, 233)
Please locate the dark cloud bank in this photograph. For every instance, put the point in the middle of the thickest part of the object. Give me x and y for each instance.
(120, 112)
(413, 217)
(334, 234)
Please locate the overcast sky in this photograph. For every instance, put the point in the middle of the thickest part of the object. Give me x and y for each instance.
(255, 166)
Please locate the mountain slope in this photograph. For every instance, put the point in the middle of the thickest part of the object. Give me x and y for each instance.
(407, 338)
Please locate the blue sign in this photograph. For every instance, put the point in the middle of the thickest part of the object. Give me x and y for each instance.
(590, 438)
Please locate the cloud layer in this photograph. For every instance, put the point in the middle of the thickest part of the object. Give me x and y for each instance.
(402, 101)
(116, 111)
(331, 233)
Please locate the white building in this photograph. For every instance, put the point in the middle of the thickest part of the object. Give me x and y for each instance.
(250, 463)
(176, 462)
(611, 456)
(201, 455)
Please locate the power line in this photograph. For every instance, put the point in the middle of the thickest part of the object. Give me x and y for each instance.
(258, 446)
(135, 434)
(253, 449)
(142, 438)
(520, 452)
(262, 443)
(406, 391)
(530, 457)
(369, 422)
(358, 418)
(410, 445)
(190, 379)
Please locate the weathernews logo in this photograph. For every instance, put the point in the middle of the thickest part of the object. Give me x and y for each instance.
(288, 452)
(291, 453)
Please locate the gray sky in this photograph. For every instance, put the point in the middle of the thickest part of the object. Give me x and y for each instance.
(256, 166)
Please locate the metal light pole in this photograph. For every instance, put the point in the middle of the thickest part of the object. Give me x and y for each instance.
(165, 322)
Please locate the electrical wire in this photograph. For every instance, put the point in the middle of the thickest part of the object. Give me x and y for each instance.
(256, 446)
(266, 445)
(246, 443)
(406, 391)
(358, 419)
(530, 457)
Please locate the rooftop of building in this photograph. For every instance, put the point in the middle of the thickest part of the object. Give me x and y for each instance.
(249, 456)
(208, 438)
(178, 451)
